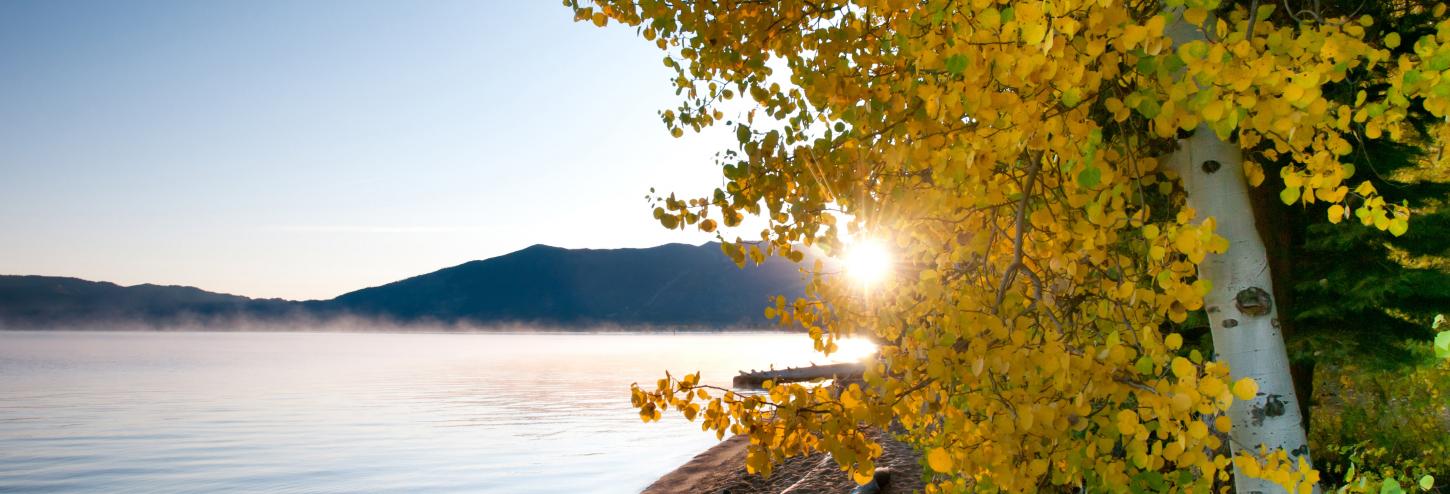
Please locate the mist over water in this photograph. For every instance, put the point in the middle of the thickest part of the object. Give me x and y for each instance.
(352, 412)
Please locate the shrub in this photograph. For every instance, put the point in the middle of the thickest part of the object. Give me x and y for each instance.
(1377, 430)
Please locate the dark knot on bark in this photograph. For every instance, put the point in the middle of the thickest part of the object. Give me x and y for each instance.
(1253, 301)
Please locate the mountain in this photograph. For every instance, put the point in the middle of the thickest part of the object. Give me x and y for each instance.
(47, 301)
(673, 285)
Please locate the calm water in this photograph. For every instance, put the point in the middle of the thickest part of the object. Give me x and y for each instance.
(351, 412)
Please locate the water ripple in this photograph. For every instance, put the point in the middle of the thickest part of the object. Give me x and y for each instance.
(314, 412)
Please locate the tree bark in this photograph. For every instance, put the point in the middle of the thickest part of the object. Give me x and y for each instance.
(1241, 312)
(1281, 233)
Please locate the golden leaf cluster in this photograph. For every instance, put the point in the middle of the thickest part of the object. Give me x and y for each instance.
(1008, 152)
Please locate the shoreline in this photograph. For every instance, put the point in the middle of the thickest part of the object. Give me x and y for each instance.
(710, 467)
(721, 469)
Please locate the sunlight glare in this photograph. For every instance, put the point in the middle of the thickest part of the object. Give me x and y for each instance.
(853, 349)
(868, 262)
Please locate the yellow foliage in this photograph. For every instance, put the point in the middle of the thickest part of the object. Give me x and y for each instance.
(939, 459)
(1007, 153)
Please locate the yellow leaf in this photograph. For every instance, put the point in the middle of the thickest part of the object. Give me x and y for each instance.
(990, 18)
(1372, 130)
(1254, 173)
(1181, 402)
(1247, 464)
(1127, 422)
(1293, 92)
(1195, 16)
(1336, 213)
(1245, 389)
(1211, 386)
(1032, 34)
(1150, 232)
(1222, 423)
(1173, 341)
(861, 478)
(1182, 368)
(1197, 430)
(1399, 225)
(1213, 111)
(1037, 467)
(1392, 40)
(1156, 24)
(1134, 34)
(938, 459)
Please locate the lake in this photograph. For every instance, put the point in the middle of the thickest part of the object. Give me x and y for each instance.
(352, 412)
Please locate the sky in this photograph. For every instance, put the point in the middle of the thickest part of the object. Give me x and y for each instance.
(307, 149)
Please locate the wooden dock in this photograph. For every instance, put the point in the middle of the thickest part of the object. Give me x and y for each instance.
(755, 378)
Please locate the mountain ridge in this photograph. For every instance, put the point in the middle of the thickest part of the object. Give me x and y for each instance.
(671, 285)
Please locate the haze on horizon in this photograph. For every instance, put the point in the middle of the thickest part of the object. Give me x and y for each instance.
(305, 149)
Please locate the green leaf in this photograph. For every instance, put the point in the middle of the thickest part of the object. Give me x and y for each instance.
(1289, 195)
(1442, 345)
(1425, 46)
(1071, 97)
(1149, 108)
(1427, 481)
(1440, 61)
(1412, 76)
(1144, 365)
(956, 64)
(1089, 177)
(1196, 49)
(1391, 486)
(1172, 65)
(1264, 12)
(1147, 65)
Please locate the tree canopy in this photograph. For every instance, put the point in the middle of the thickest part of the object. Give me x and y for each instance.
(1009, 155)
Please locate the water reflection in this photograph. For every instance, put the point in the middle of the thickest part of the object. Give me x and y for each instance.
(336, 412)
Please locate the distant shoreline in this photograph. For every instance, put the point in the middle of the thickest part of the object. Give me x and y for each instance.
(672, 287)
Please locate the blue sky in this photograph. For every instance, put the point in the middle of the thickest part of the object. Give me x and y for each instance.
(306, 149)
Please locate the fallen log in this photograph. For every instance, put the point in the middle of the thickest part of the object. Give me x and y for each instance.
(755, 378)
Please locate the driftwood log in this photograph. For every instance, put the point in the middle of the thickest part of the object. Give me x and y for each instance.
(839, 372)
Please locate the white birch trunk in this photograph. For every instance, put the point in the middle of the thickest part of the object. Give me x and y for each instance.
(1242, 314)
